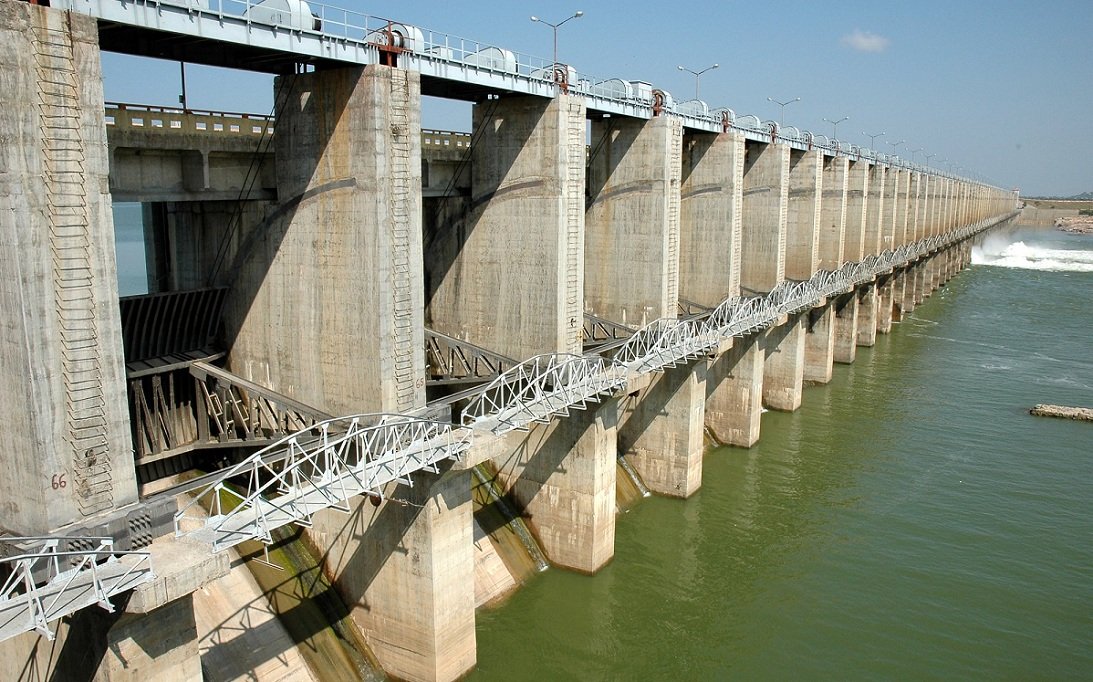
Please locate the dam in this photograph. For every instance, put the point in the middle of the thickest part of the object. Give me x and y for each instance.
(350, 315)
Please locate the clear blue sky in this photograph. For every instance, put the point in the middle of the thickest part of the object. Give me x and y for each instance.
(1004, 89)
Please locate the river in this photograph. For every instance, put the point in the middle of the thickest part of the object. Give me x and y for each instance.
(910, 521)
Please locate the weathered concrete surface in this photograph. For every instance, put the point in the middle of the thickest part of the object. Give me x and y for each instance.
(661, 430)
(820, 343)
(562, 476)
(492, 579)
(510, 277)
(633, 221)
(95, 645)
(784, 365)
(803, 214)
(66, 437)
(765, 208)
(734, 393)
(710, 217)
(406, 571)
(186, 156)
(327, 297)
(239, 635)
(846, 329)
(822, 321)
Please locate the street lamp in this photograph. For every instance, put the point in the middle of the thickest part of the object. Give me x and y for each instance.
(872, 138)
(697, 74)
(895, 144)
(835, 125)
(928, 157)
(782, 120)
(576, 15)
(916, 151)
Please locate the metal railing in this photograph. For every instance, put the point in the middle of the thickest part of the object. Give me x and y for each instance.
(44, 579)
(538, 389)
(317, 468)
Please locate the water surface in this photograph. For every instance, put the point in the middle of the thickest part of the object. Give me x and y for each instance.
(911, 521)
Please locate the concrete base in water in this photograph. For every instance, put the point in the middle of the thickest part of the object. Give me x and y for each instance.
(734, 392)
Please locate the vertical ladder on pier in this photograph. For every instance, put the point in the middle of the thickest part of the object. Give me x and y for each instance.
(65, 180)
(402, 290)
(672, 211)
(574, 227)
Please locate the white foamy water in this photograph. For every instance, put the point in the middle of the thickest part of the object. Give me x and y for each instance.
(1033, 257)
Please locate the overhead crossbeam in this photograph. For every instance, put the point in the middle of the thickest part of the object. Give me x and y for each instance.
(44, 579)
(541, 388)
(318, 468)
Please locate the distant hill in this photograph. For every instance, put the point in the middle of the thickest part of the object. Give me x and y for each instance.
(1084, 196)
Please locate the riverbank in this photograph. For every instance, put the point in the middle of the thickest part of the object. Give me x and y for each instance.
(1075, 224)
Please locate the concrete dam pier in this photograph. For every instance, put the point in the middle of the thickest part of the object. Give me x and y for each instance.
(347, 314)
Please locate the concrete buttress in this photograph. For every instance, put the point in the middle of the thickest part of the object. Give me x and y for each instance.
(846, 317)
(820, 336)
(66, 434)
(510, 277)
(327, 297)
(632, 223)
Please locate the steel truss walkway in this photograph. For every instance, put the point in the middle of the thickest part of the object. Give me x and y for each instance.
(541, 388)
(46, 578)
(318, 468)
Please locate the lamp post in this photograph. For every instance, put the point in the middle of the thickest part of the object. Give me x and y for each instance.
(782, 119)
(576, 15)
(872, 138)
(916, 151)
(835, 126)
(928, 157)
(698, 74)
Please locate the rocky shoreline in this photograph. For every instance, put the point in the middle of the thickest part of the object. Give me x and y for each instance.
(1076, 225)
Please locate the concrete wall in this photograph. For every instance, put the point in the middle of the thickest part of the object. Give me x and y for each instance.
(712, 194)
(327, 294)
(510, 277)
(68, 452)
(632, 223)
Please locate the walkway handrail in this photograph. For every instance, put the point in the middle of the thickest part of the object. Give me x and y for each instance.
(541, 387)
(316, 468)
(44, 583)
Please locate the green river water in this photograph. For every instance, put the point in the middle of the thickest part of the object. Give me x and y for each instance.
(910, 521)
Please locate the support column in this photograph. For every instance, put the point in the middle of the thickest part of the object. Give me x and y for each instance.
(710, 217)
(632, 224)
(783, 371)
(763, 247)
(868, 300)
(914, 212)
(524, 238)
(846, 307)
(406, 570)
(563, 476)
(710, 256)
(820, 333)
(734, 397)
(93, 644)
(66, 432)
(326, 299)
(661, 430)
(886, 286)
